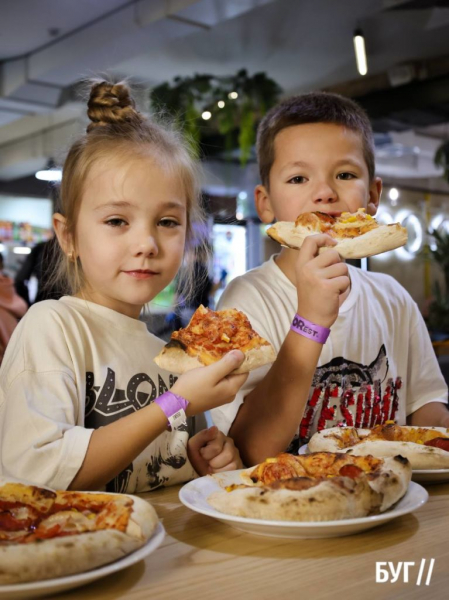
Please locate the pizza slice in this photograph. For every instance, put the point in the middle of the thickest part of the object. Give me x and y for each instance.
(46, 534)
(323, 486)
(358, 234)
(425, 447)
(209, 336)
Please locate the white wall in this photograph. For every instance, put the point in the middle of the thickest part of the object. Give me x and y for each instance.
(37, 211)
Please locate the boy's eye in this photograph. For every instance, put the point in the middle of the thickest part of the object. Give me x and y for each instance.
(116, 222)
(169, 223)
(345, 176)
(297, 179)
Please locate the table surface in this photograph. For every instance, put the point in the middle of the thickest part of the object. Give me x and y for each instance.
(204, 558)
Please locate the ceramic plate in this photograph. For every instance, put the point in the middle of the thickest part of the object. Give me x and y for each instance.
(195, 493)
(26, 591)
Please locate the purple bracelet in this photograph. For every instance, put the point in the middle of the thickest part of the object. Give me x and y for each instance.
(310, 330)
(174, 407)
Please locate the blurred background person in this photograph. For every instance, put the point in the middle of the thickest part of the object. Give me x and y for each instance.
(38, 266)
(12, 308)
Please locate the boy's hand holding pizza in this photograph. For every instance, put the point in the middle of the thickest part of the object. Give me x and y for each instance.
(210, 451)
(321, 279)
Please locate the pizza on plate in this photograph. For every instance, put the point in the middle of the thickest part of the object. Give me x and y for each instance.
(425, 447)
(323, 486)
(358, 234)
(46, 534)
(209, 336)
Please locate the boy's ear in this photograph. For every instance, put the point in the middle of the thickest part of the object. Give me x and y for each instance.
(375, 190)
(263, 204)
(64, 239)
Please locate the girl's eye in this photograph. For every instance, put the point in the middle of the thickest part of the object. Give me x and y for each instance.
(169, 223)
(345, 176)
(297, 179)
(116, 222)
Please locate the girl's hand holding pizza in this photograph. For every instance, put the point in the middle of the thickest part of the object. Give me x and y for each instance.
(210, 451)
(321, 279)
(211, 386)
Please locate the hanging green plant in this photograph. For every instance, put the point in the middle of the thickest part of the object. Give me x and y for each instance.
(442, 159)
(219, 114)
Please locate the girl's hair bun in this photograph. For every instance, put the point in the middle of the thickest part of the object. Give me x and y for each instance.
(109, 104)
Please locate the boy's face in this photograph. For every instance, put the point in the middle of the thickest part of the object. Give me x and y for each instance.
(317, 167)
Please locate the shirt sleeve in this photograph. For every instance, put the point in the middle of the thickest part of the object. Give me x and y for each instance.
(40, 441)
(425, 380)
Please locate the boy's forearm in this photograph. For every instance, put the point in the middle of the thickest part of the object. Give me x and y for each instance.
(433, 414)
(269, 417)
(113, 447)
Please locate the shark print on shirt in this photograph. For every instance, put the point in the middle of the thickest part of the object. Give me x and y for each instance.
(348, 393)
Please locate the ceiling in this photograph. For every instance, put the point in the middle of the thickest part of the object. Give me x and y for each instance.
(48, 46)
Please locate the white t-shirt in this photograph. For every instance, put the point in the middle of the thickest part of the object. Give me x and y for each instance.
(73, 366)
(377, 364)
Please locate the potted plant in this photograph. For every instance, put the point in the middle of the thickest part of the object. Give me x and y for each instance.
(438, 319)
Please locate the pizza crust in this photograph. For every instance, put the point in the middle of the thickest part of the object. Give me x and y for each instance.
(378, 240)
(333, 499)
(77, 553)
(173, 358)
(420, 456)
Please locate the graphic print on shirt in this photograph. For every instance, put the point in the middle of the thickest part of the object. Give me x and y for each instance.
(349, 393)
(107, 402)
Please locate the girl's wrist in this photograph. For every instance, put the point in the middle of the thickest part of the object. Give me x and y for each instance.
(174, 407)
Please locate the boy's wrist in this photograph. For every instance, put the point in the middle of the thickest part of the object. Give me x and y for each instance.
(309, 329)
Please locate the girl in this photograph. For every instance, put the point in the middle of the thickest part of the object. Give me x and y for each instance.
(82, 404)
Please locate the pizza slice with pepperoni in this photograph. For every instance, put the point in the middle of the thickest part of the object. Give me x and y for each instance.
(209, 336)
(425, 447)
(358, 234)
(46, 534)
(322, 486)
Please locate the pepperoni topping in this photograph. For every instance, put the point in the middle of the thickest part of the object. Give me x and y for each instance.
(441, 443)
(351, 471)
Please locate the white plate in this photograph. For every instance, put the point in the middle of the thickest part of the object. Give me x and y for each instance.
(195, 493)
(26, 591)
(422, 476)
(431, 475)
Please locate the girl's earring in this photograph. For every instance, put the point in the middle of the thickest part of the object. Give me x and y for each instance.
(71, 256)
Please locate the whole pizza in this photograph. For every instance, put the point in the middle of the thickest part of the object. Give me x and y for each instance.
(46, 534)
(358, 234)
(425, 447)
(209, 336)
(322, 486)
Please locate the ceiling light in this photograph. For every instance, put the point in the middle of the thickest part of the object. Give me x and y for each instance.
(393, 194)
(221, 104)
(233, 95)
(50, 173)
(21, 250)
(206, 115)
(360, 53)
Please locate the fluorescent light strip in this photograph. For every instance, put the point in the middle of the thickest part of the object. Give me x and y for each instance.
(360, 53)
(49, 175)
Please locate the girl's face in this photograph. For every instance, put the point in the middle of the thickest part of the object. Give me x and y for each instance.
(130, 232)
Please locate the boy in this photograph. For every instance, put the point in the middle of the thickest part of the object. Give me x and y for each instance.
(316, 153)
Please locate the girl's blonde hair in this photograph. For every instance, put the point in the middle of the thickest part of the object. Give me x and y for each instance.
(117, 128)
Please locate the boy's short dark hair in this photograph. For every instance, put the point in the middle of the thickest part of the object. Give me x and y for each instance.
(314, 107)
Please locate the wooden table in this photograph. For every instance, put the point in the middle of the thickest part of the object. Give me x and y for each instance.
(203, 558)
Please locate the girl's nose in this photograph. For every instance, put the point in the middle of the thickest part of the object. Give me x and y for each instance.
(146, 245)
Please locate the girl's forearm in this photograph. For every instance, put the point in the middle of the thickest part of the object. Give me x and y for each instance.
(113, 447)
